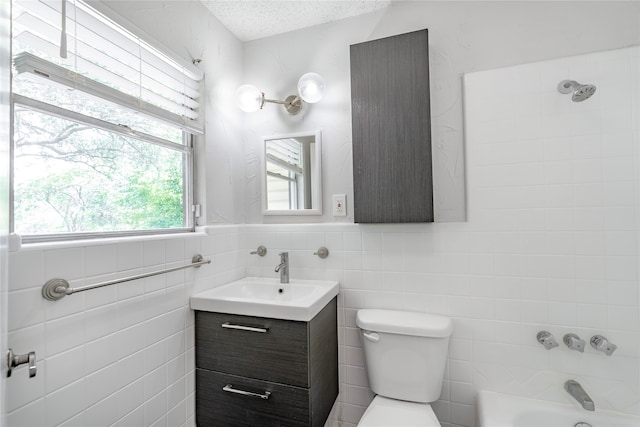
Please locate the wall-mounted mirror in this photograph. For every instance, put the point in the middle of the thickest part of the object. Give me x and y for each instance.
(291, 174)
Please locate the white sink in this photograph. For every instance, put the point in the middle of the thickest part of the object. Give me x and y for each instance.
(267, 297)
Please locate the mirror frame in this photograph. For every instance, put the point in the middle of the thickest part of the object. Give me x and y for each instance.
(316, 179)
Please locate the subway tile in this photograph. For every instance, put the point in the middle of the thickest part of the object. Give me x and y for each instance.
(66, 306)
(352, 241)
(155, 408)
(31, 338)
(99, 260)
(563, 313)
(177, 415)
(64, 368)
(25, 390)
(617, 144)
(76, 421)
(102, 352)
(371, 242)
(591, 315)
(129, 256)
(356, 395)
(26, 308)
(28, 416)
(622, 293)
(155, 383)
(175, 250)
(130, 397)
(64, 263)
(104, 412)
(133, 418)
(27, 270)
(101, 296)
(620, 218)
(59, 407)
(622, 267)
(64, 334)
(624, 318)
(620, 193)
(153, 253)
(587, 170)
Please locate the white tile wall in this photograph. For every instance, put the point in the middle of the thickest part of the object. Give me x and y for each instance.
(116, 356)
(551, 243)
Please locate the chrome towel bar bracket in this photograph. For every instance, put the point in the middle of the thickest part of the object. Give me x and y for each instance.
(56, 289)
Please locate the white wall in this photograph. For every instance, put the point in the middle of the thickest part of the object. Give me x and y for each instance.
(188, 30)
(121, 355)
(464, 37)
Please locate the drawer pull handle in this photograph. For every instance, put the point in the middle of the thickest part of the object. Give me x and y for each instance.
(228, 325)
(230, 389)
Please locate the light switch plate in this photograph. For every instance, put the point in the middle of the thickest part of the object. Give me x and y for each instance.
(339, 205)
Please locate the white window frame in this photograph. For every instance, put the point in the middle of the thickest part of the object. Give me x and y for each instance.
(61, 76)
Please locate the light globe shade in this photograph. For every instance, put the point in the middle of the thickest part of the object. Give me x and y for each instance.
(311, 87)
(248, 98)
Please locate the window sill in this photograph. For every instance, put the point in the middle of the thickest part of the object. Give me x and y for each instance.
(15, 242)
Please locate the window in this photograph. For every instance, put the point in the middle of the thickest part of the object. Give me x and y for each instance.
(103, 127)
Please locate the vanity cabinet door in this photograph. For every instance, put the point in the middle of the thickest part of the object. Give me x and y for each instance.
(256, 347)
(391, 125)
(286, 405)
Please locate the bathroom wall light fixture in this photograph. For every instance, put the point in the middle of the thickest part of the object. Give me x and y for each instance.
(310, 89)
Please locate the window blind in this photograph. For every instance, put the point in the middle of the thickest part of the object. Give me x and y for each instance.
(101, 51)
(286, 153)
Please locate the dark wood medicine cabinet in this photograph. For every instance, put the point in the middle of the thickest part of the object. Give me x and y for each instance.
(391, 122)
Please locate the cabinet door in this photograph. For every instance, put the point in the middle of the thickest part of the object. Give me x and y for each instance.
(391, 121)
(279, 354)
(285, 405)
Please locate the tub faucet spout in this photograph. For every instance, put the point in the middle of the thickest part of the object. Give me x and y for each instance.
(577, 392)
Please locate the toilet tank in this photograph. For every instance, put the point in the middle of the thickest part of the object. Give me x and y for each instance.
(405, 352)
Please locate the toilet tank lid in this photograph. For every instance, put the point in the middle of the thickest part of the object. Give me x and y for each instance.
(404, 323)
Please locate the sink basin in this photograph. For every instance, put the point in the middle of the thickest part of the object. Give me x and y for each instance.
(267, 297)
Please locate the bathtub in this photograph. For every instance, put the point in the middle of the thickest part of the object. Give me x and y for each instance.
(502, 410)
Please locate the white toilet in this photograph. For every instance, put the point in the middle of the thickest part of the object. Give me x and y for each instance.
(405, 354)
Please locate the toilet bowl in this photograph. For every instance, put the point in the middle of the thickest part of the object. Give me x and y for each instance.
(385, 412)
(405, 355)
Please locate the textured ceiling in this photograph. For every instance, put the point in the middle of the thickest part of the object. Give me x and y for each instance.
(254, 19)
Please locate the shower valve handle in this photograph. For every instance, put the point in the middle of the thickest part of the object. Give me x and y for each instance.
(547, 340)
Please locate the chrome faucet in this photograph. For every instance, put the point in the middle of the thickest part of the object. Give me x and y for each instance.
(578, 393)
(547, 340)
(574, 342)
(600, 343)
(283, 267)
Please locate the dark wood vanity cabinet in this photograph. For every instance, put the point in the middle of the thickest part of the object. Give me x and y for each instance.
(391, 125)
(289, 369)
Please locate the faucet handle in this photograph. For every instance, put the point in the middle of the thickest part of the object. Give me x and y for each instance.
(547, 340)
(574, 342)
(261, 251)
(322, 252)
(600, 343)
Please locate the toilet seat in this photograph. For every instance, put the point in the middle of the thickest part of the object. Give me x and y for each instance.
(385, 412)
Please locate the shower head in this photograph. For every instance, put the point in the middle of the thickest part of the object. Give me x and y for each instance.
(579, 91)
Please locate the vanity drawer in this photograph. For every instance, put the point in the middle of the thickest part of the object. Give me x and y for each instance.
(286, 405)
(256, 347)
